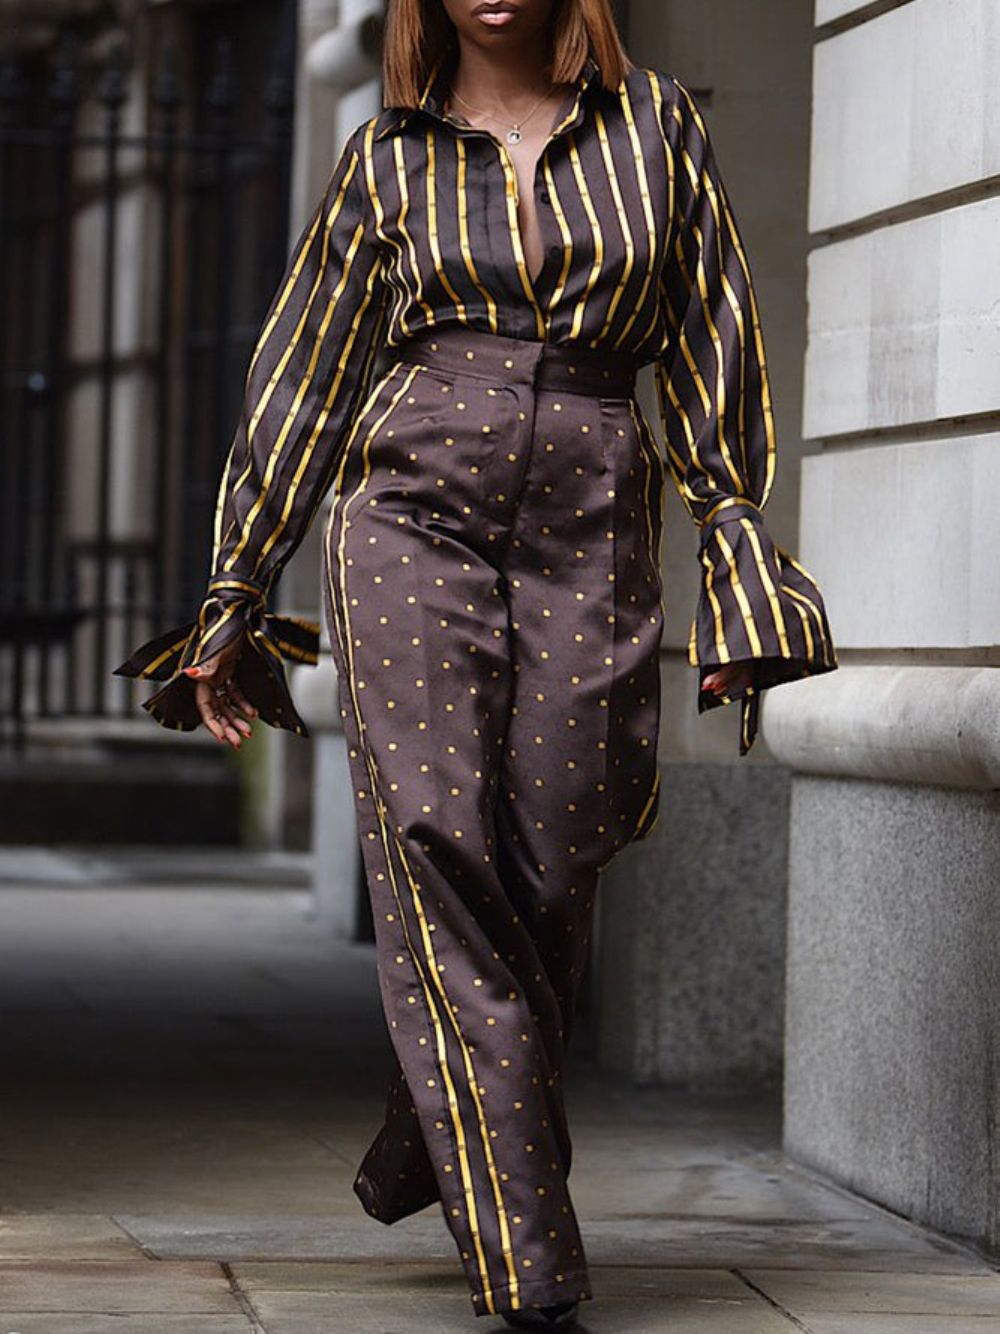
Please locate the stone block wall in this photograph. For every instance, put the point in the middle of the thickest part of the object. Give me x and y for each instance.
(891, 1081)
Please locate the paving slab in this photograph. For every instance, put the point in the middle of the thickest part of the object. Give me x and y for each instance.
(63, 1237)
(112, 1287)
(904, 1324)
(664, 1239)
(377, 1281)
(312, 1313)
(813, 1294)
(221, 1101)
(234, 1239)
(112, 1322)
(876, 1243)
(635, 1180)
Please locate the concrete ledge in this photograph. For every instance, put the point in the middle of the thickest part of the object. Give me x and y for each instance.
(903, 724)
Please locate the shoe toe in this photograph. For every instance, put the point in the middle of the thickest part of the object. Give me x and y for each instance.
(543, 1317)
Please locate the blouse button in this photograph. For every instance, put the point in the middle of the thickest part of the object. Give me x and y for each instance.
(555, 251)
(544, 197)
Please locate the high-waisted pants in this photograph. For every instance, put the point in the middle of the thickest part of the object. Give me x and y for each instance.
(495, 611)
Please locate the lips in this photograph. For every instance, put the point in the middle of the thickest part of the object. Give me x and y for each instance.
(498, 14)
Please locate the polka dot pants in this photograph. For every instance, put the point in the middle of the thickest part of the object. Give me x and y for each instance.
(495, 609)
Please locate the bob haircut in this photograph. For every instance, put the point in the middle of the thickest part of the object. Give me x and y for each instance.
(417, 31)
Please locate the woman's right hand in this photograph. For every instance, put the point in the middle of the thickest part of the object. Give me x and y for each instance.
(224, 709)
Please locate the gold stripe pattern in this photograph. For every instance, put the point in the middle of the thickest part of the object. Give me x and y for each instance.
(428, 966)
(420, 225)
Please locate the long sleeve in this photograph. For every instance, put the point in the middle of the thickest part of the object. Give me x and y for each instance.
(756, 601)
(310, 367)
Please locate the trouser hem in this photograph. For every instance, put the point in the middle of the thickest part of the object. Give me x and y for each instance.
(574, 1287)
(373, 1205)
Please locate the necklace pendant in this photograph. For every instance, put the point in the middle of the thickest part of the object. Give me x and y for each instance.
(514, 136)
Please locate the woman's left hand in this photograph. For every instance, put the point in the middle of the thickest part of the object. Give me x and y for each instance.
(729, 679)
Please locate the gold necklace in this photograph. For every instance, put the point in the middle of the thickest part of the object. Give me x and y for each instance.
(514, 135)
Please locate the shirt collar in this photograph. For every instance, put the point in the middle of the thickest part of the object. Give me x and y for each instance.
(435, 90)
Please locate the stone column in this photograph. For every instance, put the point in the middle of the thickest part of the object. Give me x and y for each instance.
(893, 1006)
(338, 89)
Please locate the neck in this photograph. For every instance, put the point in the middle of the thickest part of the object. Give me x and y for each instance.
(512, 79)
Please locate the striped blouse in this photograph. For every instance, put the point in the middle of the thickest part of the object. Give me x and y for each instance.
(418, 226)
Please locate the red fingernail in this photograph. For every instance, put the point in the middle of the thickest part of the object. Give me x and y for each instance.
(192, 671)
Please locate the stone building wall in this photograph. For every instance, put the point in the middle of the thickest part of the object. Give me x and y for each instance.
(893, 1001)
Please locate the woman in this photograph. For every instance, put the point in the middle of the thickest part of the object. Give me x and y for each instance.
(529, 220)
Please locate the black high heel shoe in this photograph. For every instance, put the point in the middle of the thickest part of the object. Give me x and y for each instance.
(561, 1316)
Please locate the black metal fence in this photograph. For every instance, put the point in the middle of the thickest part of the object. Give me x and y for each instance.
(143, 227)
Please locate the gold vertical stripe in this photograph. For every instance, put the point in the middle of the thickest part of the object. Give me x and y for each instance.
(721, 647)
(320, 423)
(263, 338)
(647, 209)
(433, 237)
(739, 592)
(435, 971)
(567, 239)
(765, 578)
(340, 511)
(650, 453)
(644, 813)
(595, 231)
(656, 93)
(666, 390)
(827, 656)
(683, 343)
(162, 657)
(719, 408)
(514, 227)
(653, 459)
(375, 344)
(275, 377)
(807, 633)
(737, 312)
(404, 208)
(394, 270)
(206, 639)
(765, 387)
(624, 224)
(274, 457)
(463, 235)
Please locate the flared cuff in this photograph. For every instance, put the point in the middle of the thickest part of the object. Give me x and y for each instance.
(758, 604)
(232, 607)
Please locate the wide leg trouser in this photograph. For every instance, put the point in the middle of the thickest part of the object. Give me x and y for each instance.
(495, 610)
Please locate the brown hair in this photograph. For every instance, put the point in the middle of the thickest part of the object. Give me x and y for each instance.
(417, 31)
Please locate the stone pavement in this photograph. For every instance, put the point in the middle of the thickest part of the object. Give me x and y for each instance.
(191, 1073)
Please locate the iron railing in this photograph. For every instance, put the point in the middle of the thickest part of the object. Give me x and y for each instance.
(135, 268)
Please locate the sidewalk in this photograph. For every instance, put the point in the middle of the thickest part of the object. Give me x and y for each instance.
(191, 1076)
